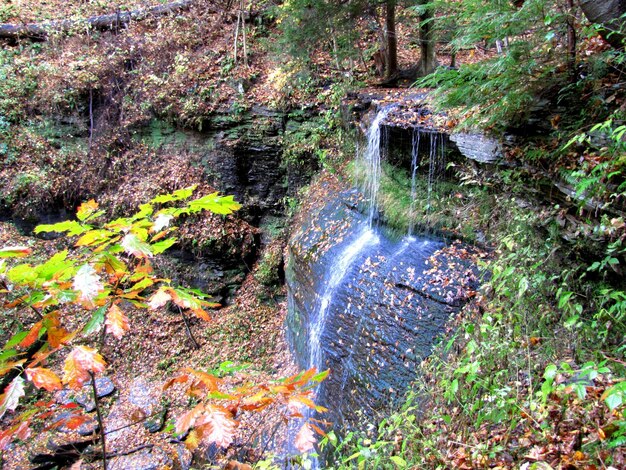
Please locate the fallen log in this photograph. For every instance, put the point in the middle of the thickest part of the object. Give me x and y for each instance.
(109, 22)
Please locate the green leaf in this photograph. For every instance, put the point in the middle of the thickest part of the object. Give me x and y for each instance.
(320, 376)
(399, 461)
(95, 237)
(96, 321)
(16, 339)
(4, 355)
(214, 203)
(21, 274)
(160, 247)
(177, 195)
(70, 226)
(550, 372)
(613, 400)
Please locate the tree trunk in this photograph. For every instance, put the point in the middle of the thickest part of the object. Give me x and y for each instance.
(113, 21)
(392, 42)
(428, 62)
(608, 14)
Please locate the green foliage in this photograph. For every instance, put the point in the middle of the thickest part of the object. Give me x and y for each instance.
(601, 178)
(500, 91)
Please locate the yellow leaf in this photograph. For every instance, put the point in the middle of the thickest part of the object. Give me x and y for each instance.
(193, 440)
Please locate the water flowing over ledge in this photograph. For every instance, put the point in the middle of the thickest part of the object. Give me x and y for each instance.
(370, 304)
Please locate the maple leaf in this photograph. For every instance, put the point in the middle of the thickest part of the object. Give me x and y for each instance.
(87, 210)
(136, 247)
(116, 322)
(12, 394)
(79, 362)
(305, 439)
(32, 335)
(44, 378)
(87, 283)
(216, 426)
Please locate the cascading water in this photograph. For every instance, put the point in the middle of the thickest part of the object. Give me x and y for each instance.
(371, 158)
(436, 165)
(337, 271)
(415, 147)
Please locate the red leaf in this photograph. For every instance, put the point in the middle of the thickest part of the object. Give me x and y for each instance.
(32, 335)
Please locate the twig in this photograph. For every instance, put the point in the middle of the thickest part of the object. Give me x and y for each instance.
(196, 345)
(100, 422)
(131, 451)
(90, 117)
(136, 422)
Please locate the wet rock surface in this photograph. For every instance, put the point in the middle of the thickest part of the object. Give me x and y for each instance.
(394, 300)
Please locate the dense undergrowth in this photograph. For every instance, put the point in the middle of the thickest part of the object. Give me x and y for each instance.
(534, 373)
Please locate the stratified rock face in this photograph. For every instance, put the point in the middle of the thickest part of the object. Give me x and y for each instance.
(478, 147)
(392, 303)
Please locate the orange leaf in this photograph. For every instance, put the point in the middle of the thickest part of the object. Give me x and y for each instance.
(160, 298)
(216, 426)
(305, 439)
(180, 379)
(116, 322)
(32, 335)
(188, 419)
(44, 378)
(79, 362)
(209, 381)
(198, 312)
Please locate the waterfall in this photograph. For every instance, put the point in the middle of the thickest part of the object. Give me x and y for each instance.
(371, 158)
(338, 270)
(415, 148)
(436, 166)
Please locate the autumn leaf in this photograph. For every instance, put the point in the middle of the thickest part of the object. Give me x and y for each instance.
(87, 283)
(14, 252)
(192, 441)
(305, 439)
(88, 210)
(12, 394)
(216, 426)
(44, 378)
(117, 322)
(160, 298)
(187, 420)
(79, 362)
(209, 381)
(32, 335)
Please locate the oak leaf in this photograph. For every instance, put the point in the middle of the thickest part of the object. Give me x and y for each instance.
(305, 439)
(216, 426)
(79, 363)
(87, 283)
(117, 322)
(44, 378)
